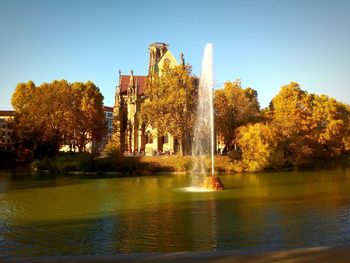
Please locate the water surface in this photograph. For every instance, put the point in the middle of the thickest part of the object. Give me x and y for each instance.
(71, 216)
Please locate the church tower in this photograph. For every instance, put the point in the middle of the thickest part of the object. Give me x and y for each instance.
(118, 123)
(156, 52)
(130, 134)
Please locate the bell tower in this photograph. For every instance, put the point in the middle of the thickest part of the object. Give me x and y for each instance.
(156, 51)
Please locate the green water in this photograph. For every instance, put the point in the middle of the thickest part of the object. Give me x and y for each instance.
(71, 216)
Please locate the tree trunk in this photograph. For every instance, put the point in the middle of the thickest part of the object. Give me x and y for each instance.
(227, 145)
(181, 152)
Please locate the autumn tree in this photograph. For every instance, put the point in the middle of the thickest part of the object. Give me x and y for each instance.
(86, 122)
(257, 143)
(330, 120)
(27, 126)
(346, 139)
(308, 125)
(291, 114)
(53, 111)
(56, 113)
(171, 101)
(234, 107)
(298, 127)
(292, 110)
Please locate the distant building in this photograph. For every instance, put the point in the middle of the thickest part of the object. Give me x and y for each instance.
(108, 111)
(97, 145)
(6, 130)
(129, 133)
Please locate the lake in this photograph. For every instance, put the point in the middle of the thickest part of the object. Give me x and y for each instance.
(72, 216)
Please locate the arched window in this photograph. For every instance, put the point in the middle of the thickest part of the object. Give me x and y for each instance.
(149, 137)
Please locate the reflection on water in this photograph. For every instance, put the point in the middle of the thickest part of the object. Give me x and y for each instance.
(70, 216)
(195, 189)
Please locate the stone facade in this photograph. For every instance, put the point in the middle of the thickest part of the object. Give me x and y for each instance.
(108, 112)
(129, 134)
(6, 130)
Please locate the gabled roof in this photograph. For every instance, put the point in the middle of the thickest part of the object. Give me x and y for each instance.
(108, 108)
(139, 80)
(7, 113)
(168, 55)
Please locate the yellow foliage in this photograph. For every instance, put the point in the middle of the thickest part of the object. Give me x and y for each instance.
(234, 107)
(308, 125)
(292, 110)
(59, 113)
(257, 143)
(171, 101)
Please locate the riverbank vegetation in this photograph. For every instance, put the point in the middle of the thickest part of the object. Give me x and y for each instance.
(296, 129)
(85, 163)
(66, 163)
(57, 114)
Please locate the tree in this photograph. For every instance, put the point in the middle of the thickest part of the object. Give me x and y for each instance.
(171, 101)
(234, 107)
(28, 129)
(87, 121)
(53, 114)
(330, 124)
(54, 111)
(308, 126)
(22, 96)
(292, 110)
(257, 142)
(290, 113)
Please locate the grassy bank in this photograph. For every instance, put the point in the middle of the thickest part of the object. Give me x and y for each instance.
(84, 162)
(143, 165)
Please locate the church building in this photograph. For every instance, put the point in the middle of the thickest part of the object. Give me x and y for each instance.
(129, 133)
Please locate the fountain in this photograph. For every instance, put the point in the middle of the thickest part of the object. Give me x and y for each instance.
(204, 145)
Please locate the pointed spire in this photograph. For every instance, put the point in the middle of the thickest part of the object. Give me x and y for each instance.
(131, 87)
(131, 82)
(136, 88)
(182, 59)
(120, 77)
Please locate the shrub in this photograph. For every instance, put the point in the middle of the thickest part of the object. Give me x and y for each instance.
(257, 144)
(236, 155)
(39, 165)
(112, 151)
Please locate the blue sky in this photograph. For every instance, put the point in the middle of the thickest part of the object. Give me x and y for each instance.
(265, 43)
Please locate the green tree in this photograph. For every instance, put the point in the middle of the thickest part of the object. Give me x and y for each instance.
(171, 102)
(234, 107)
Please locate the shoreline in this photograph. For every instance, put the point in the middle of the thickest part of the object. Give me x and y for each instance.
(313, 254)
(146, 166)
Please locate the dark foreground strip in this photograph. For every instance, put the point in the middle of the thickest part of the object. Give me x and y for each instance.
(317, 254)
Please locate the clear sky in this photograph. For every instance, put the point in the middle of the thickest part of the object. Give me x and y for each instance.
(265, 43)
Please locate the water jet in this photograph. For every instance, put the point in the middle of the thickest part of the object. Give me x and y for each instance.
(204, 136)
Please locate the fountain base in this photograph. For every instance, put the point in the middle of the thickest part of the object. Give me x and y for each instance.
(213, 182)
